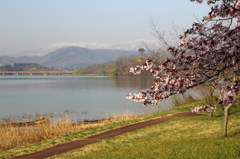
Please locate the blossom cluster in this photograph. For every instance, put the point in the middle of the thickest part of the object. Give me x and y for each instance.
(229, 92)
(205, 54)
(208, 108)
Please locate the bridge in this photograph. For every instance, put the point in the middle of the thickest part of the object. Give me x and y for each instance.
(36, 73)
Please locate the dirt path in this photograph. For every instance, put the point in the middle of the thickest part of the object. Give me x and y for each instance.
(96, 138)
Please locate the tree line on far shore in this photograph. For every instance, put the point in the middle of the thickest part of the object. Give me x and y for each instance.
(24, 67)
(122, 65)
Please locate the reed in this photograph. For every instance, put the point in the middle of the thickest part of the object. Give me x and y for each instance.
(201, 92)
(180, 99)
(26, 129)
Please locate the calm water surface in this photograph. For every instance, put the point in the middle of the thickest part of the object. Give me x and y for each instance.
(90, 97)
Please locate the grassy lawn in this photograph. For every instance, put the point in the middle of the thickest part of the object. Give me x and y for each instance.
(186, 137)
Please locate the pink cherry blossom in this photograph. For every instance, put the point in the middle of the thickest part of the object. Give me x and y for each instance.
(205, 54)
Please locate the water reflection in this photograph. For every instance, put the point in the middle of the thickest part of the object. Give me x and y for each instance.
(96, 95)
(134, 83)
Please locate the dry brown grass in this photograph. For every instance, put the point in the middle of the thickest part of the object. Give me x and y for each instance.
(179, 99)
(202, 92)
(22, 130)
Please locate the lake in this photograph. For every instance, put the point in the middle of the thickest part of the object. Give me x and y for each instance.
(89, 97)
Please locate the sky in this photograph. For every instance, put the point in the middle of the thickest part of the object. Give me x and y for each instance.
(29, 24)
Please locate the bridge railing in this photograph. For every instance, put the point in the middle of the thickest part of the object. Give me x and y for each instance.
(36, 72)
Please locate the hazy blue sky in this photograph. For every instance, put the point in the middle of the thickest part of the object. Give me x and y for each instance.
(28, 24)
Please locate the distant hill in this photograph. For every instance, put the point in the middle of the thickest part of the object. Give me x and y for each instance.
(27, 58)
(30, 66)
(4, 60)
(23, 67)
(71, 57)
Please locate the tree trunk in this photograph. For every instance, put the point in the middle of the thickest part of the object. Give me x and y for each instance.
(225, 120)
(211, 100)
(211, 96)
(210, 114)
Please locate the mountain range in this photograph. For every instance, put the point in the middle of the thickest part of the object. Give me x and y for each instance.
(72, 57)
(129, 46)
(76, 55)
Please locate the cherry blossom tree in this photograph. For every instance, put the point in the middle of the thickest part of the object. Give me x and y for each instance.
(205, 54)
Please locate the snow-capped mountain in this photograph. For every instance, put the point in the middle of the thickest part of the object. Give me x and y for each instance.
(129, 46)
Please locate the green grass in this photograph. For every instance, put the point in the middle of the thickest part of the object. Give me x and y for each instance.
(186, 137)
